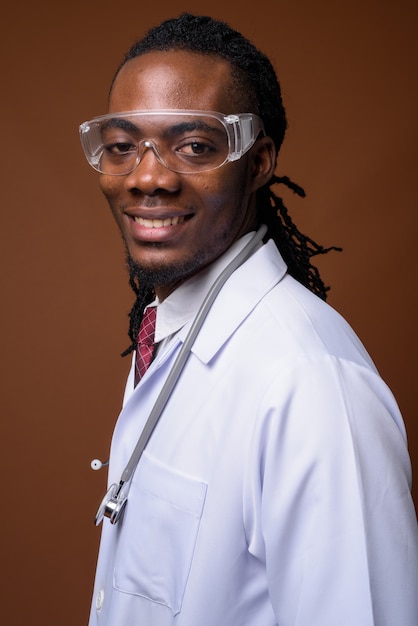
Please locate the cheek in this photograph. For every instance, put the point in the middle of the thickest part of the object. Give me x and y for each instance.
(109, 186)
(230, 186)
(227, 181)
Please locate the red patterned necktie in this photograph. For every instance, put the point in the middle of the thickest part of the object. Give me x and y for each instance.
(145, 347)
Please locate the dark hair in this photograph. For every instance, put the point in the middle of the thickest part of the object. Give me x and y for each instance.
(252, 71)
(256, 82)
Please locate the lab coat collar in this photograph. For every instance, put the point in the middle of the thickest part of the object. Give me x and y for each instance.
(182, 305)
(238, 297)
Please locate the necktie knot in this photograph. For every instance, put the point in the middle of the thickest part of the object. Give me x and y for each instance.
(145, 347)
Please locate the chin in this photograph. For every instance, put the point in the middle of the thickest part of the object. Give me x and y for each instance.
(160, 273)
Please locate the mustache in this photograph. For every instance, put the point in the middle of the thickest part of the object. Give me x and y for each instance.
(151, 202)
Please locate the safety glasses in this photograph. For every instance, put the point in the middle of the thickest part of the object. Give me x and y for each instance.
(183, 141)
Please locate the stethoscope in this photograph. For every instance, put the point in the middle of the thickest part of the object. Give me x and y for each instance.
(114, 503)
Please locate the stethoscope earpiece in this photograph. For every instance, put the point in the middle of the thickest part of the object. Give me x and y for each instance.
(97, 464)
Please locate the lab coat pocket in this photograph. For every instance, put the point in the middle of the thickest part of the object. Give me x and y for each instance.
(158, 534)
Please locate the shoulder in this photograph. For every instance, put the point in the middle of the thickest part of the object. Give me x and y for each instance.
(297, 325)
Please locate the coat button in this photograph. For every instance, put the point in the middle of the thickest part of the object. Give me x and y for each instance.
(99, 599)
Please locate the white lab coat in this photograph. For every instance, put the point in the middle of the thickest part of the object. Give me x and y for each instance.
(275, 489)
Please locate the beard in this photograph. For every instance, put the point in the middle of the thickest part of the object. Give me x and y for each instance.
(146, 279)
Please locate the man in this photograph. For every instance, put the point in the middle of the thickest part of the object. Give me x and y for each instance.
(274, 489)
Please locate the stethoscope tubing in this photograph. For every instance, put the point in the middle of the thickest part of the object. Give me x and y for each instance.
(184, 353)
(114, 502)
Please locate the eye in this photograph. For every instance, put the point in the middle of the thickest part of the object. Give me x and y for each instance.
(119, 148)
(196, 149)
(117, 142)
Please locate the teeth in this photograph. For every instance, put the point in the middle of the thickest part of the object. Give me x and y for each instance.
(168, 221)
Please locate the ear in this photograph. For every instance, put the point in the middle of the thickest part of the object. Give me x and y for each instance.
(263, 157)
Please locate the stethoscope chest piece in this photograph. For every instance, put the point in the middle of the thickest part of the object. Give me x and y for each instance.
(112, 505)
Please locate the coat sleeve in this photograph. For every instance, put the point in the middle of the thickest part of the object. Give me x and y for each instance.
(327, 503)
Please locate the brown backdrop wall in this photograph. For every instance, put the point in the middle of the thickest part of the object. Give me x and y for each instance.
(348, 72)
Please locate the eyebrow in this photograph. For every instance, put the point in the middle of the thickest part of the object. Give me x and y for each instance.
(175, 129)
(119, 122)
(182, 127)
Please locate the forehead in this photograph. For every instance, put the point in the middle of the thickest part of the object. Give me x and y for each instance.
(174, 80)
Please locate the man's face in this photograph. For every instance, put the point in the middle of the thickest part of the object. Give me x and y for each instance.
(175, 224)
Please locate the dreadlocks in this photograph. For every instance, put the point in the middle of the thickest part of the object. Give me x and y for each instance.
(255, 81)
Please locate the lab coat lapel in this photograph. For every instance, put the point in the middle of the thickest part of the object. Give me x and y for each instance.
(239, 296)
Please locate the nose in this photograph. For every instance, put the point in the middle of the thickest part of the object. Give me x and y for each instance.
(145, 145)
(150, 176)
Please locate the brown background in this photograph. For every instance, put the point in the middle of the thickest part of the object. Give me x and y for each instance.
(348, 72)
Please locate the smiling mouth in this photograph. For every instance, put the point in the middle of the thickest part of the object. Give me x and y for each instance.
(160, 223)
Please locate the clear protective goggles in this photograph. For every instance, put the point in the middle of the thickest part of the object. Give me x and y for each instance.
(184, 141)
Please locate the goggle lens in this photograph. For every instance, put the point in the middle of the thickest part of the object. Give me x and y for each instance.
(184, 142)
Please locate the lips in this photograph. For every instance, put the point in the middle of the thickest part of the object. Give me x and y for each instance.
(159, 223)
